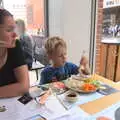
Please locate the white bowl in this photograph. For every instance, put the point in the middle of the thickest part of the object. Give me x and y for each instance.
(71, 96)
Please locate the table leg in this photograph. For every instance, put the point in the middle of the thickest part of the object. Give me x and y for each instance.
(37, 73)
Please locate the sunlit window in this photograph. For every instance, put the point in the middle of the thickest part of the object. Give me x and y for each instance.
(111, 21)
(31, 11)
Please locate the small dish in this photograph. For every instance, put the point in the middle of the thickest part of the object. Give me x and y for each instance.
(71, 96)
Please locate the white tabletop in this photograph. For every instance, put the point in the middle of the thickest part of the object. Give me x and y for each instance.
(52, 110)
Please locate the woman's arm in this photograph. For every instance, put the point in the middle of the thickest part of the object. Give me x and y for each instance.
(18, 88)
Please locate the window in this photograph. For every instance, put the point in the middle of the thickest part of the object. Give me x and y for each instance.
(32, 12)
(111, 21)
(1, 3)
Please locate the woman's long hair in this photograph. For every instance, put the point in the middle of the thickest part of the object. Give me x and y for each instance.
(3, 50)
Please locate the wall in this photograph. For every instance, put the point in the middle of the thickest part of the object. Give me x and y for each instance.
(35, 14)
(99, 48)
(55, 17)
(71, 20)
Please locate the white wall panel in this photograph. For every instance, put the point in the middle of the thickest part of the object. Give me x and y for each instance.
(71, 19)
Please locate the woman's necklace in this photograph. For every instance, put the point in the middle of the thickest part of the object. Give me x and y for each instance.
(3, 56)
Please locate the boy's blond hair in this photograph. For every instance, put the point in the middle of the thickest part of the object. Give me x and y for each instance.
(52, 44)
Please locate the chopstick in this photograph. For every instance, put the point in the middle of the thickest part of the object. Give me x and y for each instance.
(60, 101)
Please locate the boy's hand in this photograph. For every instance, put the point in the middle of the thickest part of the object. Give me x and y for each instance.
(84, 70)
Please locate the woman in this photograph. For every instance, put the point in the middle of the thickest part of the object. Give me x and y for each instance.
(14, 79)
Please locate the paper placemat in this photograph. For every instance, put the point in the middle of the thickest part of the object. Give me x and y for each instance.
(109, 112)
(100, 104)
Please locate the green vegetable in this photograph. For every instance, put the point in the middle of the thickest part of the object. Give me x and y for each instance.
(95, 83)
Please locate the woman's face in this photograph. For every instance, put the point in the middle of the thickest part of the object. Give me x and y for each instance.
(7, 32)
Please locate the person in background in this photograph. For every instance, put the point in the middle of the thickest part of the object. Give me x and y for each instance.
(14, 79)
(26, 42)
(59, 69)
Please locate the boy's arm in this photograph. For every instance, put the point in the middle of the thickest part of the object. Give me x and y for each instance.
(74, 69)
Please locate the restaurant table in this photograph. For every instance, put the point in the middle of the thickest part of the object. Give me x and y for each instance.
(98, 105)
(53, 110)
(104, 102)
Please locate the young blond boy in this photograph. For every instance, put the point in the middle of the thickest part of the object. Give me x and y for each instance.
(60, 69)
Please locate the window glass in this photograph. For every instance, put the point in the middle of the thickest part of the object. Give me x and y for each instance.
(111, 21)
(31, 11)
(33, 14)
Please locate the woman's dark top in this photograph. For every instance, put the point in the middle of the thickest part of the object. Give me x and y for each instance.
(15, 59)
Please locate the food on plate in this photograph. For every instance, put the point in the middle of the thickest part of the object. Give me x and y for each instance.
(88, 80)
(96, 83)
(58, 87)
(92, 81)
(74, 83)
(88, 87)
(82, 86)
(58, 84)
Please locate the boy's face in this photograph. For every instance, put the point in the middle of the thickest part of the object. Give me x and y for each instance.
(58, 57)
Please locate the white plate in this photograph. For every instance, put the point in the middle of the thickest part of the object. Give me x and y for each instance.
(78, 77)
(76, 85)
